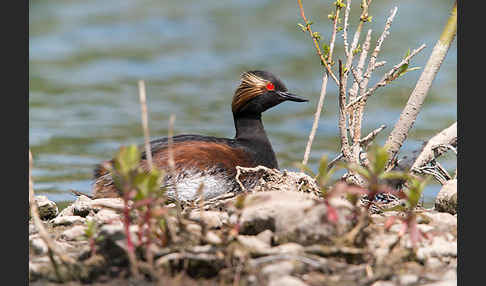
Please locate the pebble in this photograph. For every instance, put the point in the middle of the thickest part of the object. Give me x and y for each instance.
(38, 246)
(278, 269)
(74, 233)
(67, 220)
(446, 200)
(287, 280)
(47, 209)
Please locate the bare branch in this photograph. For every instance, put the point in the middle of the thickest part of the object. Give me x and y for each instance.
(322, 96)
(345, 27)
(342, 114)
(317, 115)
(417, 98)
(370, 137)
(386, 78)
(447, 136)
(316, 43)
(356, 115)
(376, 51)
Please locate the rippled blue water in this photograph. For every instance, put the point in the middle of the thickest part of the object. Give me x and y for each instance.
(85, 58)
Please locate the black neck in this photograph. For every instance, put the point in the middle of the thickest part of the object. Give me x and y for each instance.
(250, 132)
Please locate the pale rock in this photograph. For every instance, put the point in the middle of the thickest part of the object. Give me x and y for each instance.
(67, 211)
(383, 283)
(32, 228)
(82, 206)
(109, 203)
(265, 236)
(294, 217)
(425, 228)
(439, 247)
(194, 228)
(212, 219)
(67, 220)
(106, 216)
(74, 233)
(446, 200)
(253, 244)
(213, 238)
(441, 218)
(443, 283)
(47, 209)
(38, 245)
(407, 279)
(287, 248)
(286, 280)
(278, 269)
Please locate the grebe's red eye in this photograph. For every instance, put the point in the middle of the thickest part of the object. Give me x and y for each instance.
(270, 86)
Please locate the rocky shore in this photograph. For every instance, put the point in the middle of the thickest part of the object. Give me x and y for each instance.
(272, 235)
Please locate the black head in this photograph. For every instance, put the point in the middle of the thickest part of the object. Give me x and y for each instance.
(259, 91)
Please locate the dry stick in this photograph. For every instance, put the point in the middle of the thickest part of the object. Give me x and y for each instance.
(325, 77)
(143, 105)
(148, 153)
(447, 136)
(317, 115)
(416, 100)
(171, 162)
(370, 137)
(34, 212)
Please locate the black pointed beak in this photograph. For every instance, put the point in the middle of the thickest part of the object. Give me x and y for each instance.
(292, 97)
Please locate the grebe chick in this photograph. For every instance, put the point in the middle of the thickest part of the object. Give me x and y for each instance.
(211, 160)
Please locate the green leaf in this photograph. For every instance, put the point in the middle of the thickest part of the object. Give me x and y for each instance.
(359, 169)
(408, 53)
(403, 68)
(393, 175)
(304, 28)
(147, 183)
(305, 169)
(127, 159)
(325, 49)
(378, 157)
(90, 228)
(414, 192)
(323, 166)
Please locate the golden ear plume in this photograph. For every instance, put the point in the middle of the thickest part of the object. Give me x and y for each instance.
(250, 87)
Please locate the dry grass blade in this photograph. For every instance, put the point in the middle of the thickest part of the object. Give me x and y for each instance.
(143, 105)
(171, 162)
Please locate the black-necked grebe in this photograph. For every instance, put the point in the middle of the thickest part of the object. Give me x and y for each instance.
(211, 160)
